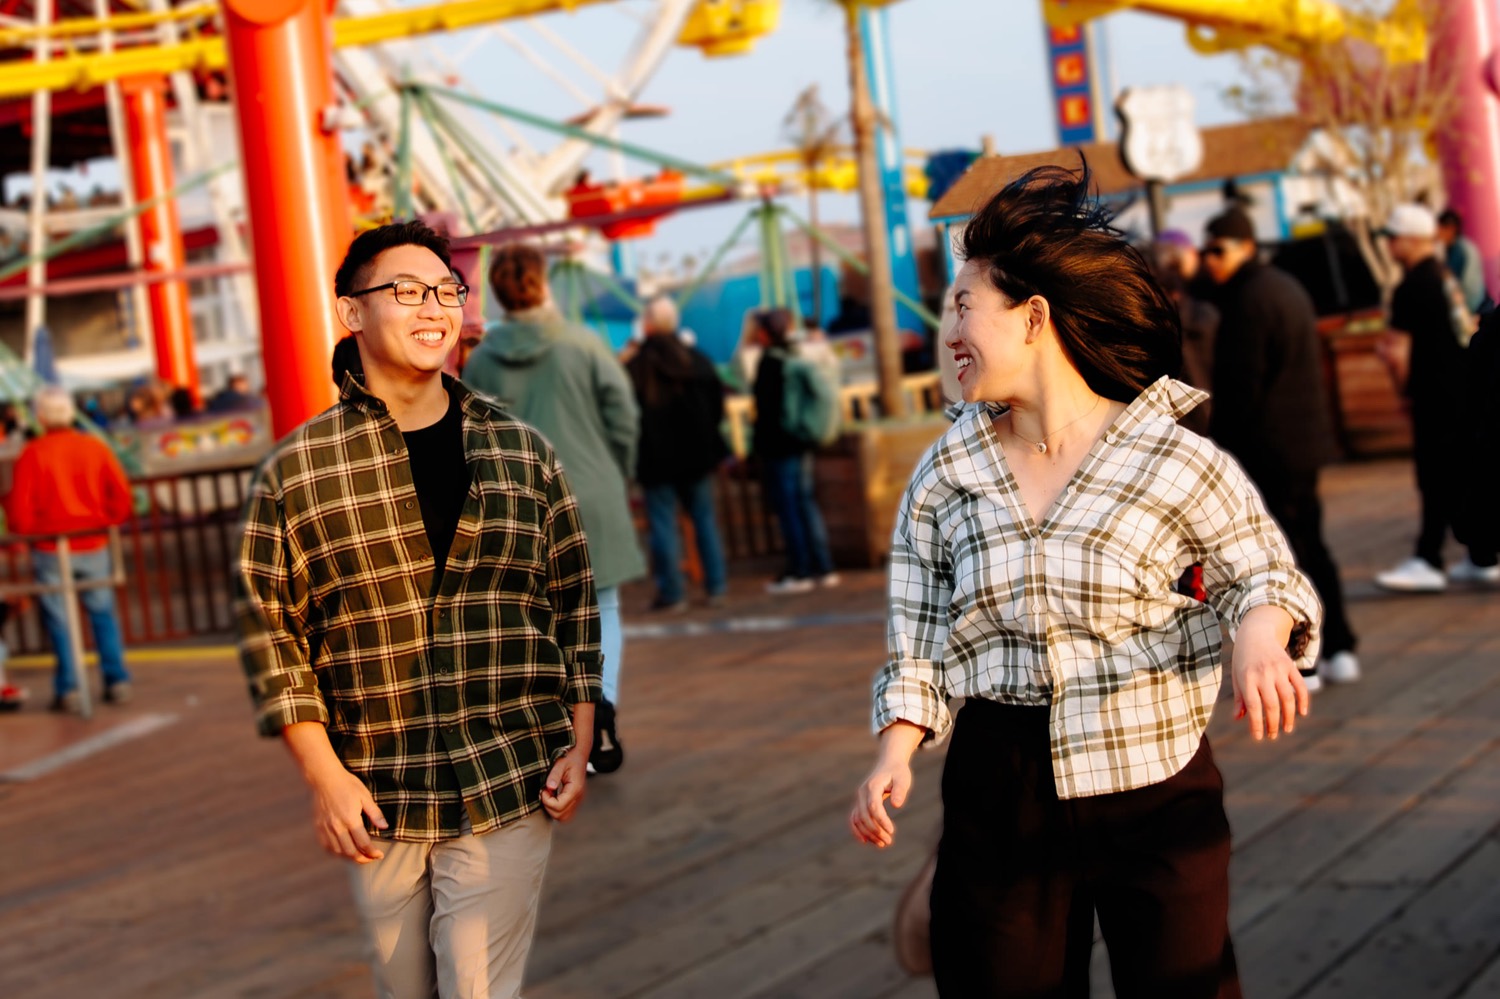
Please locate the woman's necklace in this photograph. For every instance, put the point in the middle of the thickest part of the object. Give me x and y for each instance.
(1041, 445)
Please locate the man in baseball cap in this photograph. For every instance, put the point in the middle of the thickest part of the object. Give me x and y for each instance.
(1425, 350)
(1411, 221)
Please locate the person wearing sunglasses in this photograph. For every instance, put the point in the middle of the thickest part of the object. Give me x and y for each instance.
(1270, 411)
(1032, 573)
(419, 625)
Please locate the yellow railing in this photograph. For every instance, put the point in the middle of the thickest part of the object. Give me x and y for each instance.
(83, 70)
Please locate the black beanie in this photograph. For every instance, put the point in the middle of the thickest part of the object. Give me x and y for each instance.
(1233, 224)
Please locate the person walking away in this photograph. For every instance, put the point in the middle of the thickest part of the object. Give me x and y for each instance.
(1426, 348)
(786, 458)
(1032, 571)
(682, 406)
(560, 378)
(418, 626)
(67, 481)
(1271, 412)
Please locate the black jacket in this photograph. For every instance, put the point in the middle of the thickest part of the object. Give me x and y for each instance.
(682, 406)
(1270, 409)
(771, 439)
(1476, 522)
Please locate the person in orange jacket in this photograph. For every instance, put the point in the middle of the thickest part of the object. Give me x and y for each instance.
(67, 481)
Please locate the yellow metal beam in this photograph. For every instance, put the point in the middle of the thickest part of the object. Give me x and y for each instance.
(81, 72)
(837, 171)
(1291, 26)
(21, 37)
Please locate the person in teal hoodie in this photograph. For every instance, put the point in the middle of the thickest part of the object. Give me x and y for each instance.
(560, 378)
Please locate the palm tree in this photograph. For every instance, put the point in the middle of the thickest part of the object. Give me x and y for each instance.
(863, 122)
(813, 131)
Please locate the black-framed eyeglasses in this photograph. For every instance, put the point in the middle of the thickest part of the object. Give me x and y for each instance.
(450, 294)
(1215, 250)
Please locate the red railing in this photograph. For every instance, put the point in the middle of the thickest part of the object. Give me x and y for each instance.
(180, 548)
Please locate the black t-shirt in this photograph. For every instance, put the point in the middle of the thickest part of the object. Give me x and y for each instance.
(1421, 308)
(442, 479)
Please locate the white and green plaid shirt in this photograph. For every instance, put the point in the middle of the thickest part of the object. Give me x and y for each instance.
(444, 703)
(1080, 614)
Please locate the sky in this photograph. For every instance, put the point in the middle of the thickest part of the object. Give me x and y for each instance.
(962, 69)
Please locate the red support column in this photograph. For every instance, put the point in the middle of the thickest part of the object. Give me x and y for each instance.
(279, 58)
(161, 230)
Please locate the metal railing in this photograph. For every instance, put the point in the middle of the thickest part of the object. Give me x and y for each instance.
(173, 560)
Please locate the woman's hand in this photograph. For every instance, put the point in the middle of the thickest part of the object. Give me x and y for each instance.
(891, 778)
(1267, 686)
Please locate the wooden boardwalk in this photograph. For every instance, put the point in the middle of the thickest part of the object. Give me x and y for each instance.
(179, 863)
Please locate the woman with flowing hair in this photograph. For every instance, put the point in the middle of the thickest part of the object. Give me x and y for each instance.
(1032, 574)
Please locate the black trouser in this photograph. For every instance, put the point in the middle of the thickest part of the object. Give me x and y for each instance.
(1021, 873)
(1438, 451)
(1292, 499)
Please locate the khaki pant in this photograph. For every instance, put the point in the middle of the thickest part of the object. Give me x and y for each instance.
(454, 918)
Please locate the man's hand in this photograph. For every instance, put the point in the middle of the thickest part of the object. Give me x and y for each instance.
(1267, 686)
(340, 800)
(564, 788)
(340, 803)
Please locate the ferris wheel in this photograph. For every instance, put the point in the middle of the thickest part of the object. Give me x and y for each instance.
(500, 172)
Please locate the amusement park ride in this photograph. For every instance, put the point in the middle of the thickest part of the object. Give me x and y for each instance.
(81, 79)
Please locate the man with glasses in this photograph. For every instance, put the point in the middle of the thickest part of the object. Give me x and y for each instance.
(419, 625)
(1271, 412)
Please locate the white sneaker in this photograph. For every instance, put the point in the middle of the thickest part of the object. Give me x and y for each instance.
(829, 580)
(1467, 572)
(1312, 681)
(1341, 667)
(790, 584)
(1415, 575)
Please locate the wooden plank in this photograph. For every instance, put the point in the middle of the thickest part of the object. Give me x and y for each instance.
(1436, 943)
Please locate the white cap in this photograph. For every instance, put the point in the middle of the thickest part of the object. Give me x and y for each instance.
(1411, 220)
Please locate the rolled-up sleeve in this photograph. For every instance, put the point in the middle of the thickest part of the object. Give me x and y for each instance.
(1247, 561)
(910, 686)
(570, 588)
(272, 611)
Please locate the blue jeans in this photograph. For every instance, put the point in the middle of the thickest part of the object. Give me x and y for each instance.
(789, 487)
(697, 498)
(611, 641)
(99, 604)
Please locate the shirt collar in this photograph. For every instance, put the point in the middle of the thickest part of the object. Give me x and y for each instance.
(1164, 397)
(352, 392)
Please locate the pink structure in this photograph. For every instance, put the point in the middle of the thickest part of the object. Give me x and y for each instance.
(1470, 146)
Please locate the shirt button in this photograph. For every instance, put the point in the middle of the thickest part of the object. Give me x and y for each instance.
(409, 504)
(1036, 608)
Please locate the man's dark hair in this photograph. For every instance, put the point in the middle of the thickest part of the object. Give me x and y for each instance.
(1451, 218)
(518, 274)
(346, 360)
(776, 324)
(354, 271)
(1044, 234)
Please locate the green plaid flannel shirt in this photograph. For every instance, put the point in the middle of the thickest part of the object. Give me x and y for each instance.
(439, 701)
(1080, 614)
